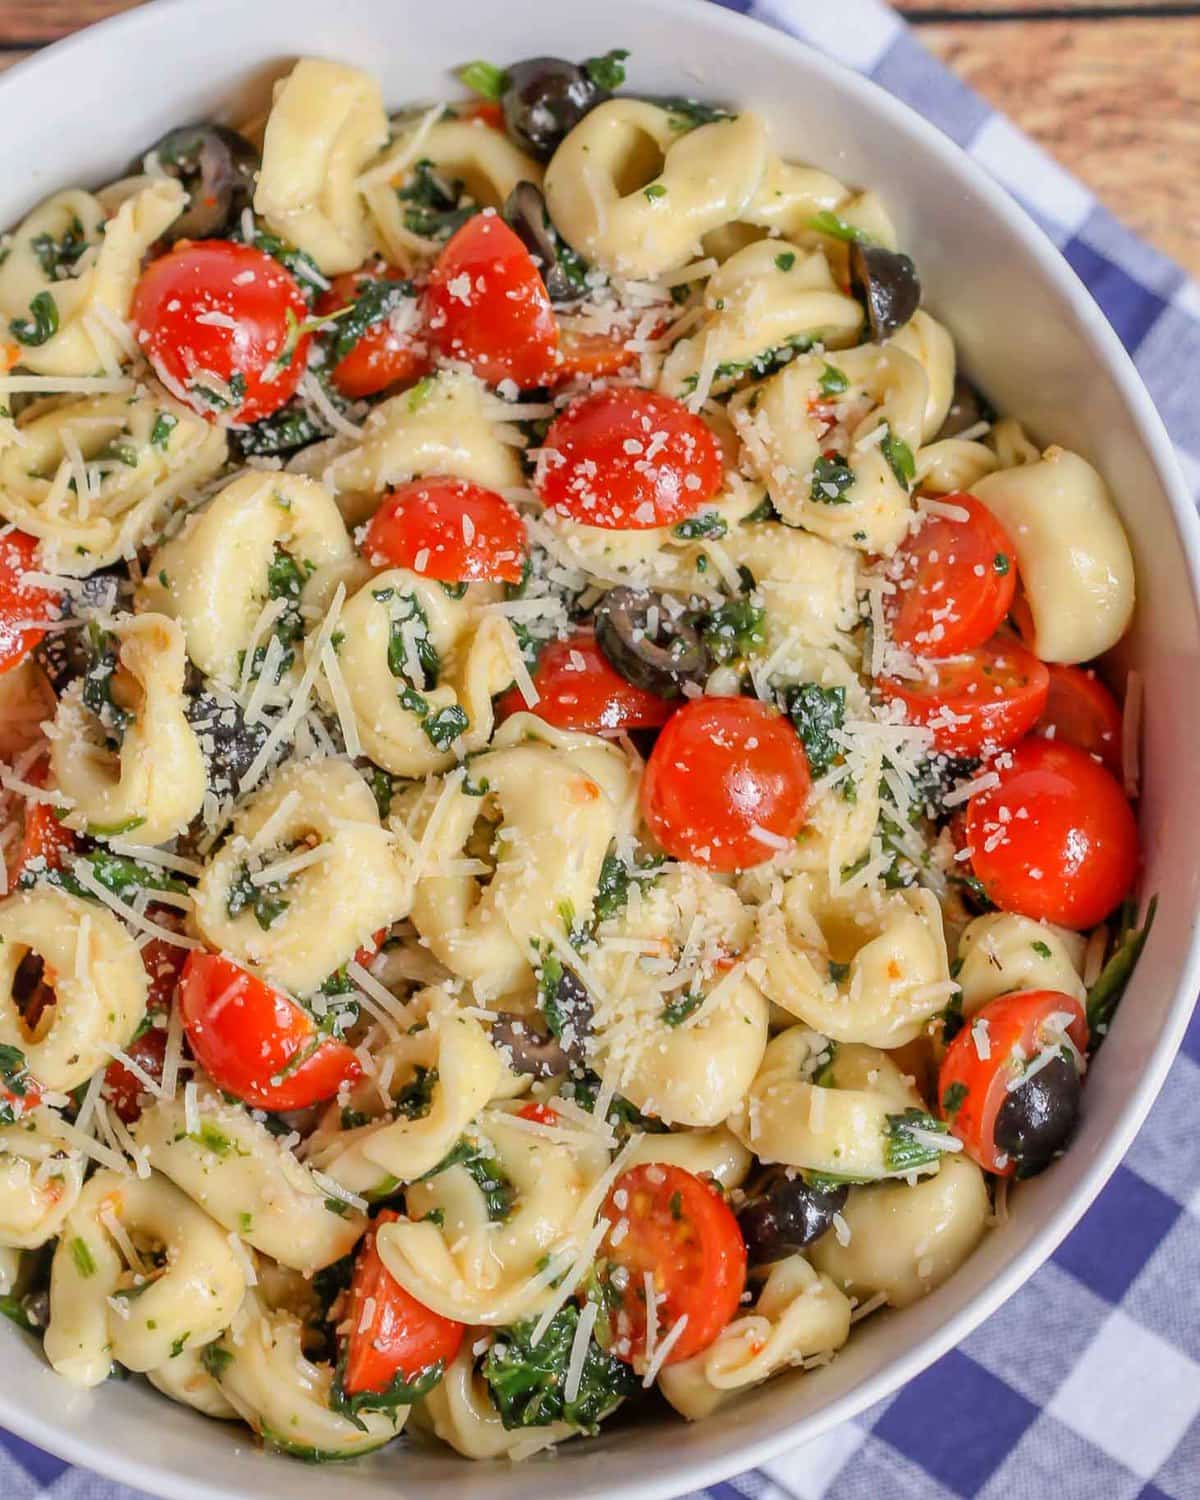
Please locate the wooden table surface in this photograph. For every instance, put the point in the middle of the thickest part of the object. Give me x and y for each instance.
(1110, 87)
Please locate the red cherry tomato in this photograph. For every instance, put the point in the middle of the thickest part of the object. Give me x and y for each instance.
(163, 962)
(20, 602)
(954, 580)
(1056, 840)
(254, 1041)
(579, 689)
(983, 700)
(381, 356)
(212, 308)
(679, 1230)
(487, 305)
(726, 780)
(591, 355)
(627, 460)
(391, 1333)
(1081, 711)
(1012, 1031)
(45, 844)
(540, 1114)
(447, 529)
(487, 110)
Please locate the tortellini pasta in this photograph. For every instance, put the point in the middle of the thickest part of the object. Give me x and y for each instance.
(1001, 952)
(460, 1411)
(94, 972)
(326, 123)
(152, 778)
(40, 1179)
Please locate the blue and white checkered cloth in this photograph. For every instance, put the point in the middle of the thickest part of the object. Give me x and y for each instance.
(1086, 1385)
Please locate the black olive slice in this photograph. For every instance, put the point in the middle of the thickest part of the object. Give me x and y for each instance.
(1039, 1117)
(537, 1053)
(525, 212)
(217, 167)
(660, 661)
(546, 97)
(886, 283)
(788, 1215)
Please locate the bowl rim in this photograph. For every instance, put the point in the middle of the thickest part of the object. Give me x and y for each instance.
(1095, 329)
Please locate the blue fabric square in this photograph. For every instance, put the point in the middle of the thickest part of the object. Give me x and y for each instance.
(1152, 1492)
(1191, 1037)
(1118, 1235)
(957, 1421)
(911, 73)
(743, 7)
(40, 1466)
(1128, 306)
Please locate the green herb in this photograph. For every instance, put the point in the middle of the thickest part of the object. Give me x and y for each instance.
(1000, 564)
(245, 1223)
(1041, 949)
(901, 1153)
(612, 888)
(686, 113)
(433, 206)
(218, 400)
(375, 302)
(833, 382)
(265, 901)
(707, 524)
(1105, 994)
(832, 476)
(13, 1309)
(759, 364)
(165, 424)
(655, 190)
(900, 458)
(952, 1099)
(528, 1381)
(453, 590)
(302, 266)
(401, 1392)
(838, 973)
(43, 325)
(96, 692)
(336, 1206)
(420, 393)
(607, 72)
(415, 1099)
(484, 78)
(734, 630)
(406, 609)
(675, 1012)
(818, 713)
(216, 1359)
(212, 1139)
(177, 1345)
(82, 1257)
(285, 430)
(445, 726)
(763, 511)
(119, 875)
(13, 1070)
(487, 1174)
(827, 222)
(383, 788)
(58, 257)
(786, 261)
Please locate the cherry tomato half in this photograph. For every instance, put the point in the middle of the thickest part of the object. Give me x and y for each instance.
(578, 688)
(391, 1333)
(213, 308)
(627, 460)
(955, 581)
(593, 356)
(163, 962)
(1056, 839)
(385, 353)
(45, 843)
(1081, 711)
(539, 1114)
(994, 1048)
(982, 700)
(679, 1230)
(19, 601)
(486, 304)
(726, 784)
(447, 529)
(254, 1041)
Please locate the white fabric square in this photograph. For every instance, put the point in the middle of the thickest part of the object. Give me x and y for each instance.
(807, 1472)
(1027, 171)
(1131, 1394)
(856, 32)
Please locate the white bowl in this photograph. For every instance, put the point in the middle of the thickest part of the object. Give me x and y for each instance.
(1032, 337)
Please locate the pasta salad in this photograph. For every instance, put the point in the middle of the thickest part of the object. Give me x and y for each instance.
(562, 835)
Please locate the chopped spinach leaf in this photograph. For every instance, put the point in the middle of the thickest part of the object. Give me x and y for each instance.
(827, 222)
(607, 72)
(900, 458)
(528, 1381)
(833, 382)
(42, 324)
(817, 712)
(832, 476)
(675, 1012)
(1105, 994)
(707, 524)
(735, 629)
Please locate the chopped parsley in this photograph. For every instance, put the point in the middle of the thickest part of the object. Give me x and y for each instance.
(1041, 949)
(953, 1098)
(827, 222)
(833, 382)
(899, 458)
(735, 629)
(265, 901)
(58, 257)
(375, 302)
(165, 424)
(41, 325)
(434, 206)
(485, 78)
(786, 261)
(486, 1173)
(707, 524)
(675, 1012)
(832, 476)
(607, 72)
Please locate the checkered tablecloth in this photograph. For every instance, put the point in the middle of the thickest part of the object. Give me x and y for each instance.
(1086, 1385)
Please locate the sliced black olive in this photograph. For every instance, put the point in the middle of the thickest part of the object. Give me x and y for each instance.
(660, 661)
(1039, 1117)
(525, 211)
(216, 166)
(538, 1053)
(546, 97)
(64, 654)
(967, 407)
(887, 285)
(788, 1215)
(228, 744)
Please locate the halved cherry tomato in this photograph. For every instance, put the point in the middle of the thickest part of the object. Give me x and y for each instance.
(220, 324)
(381, 355)
(254, 1041)
(726, 784)
(540, 1114)
(590, 355)
(487, 304)
(163, 962)
(955, 581)
(675, 1227)
(487, 110)
(578, 688)
(1081, 711)
(995, 1046)
(447, 529)
(20, 601)
(391, 1333)
(1056, 839)
(983, 700)
(45, 843)
(628, 460)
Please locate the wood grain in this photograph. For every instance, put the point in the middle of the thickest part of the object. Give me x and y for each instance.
(1116, 98)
